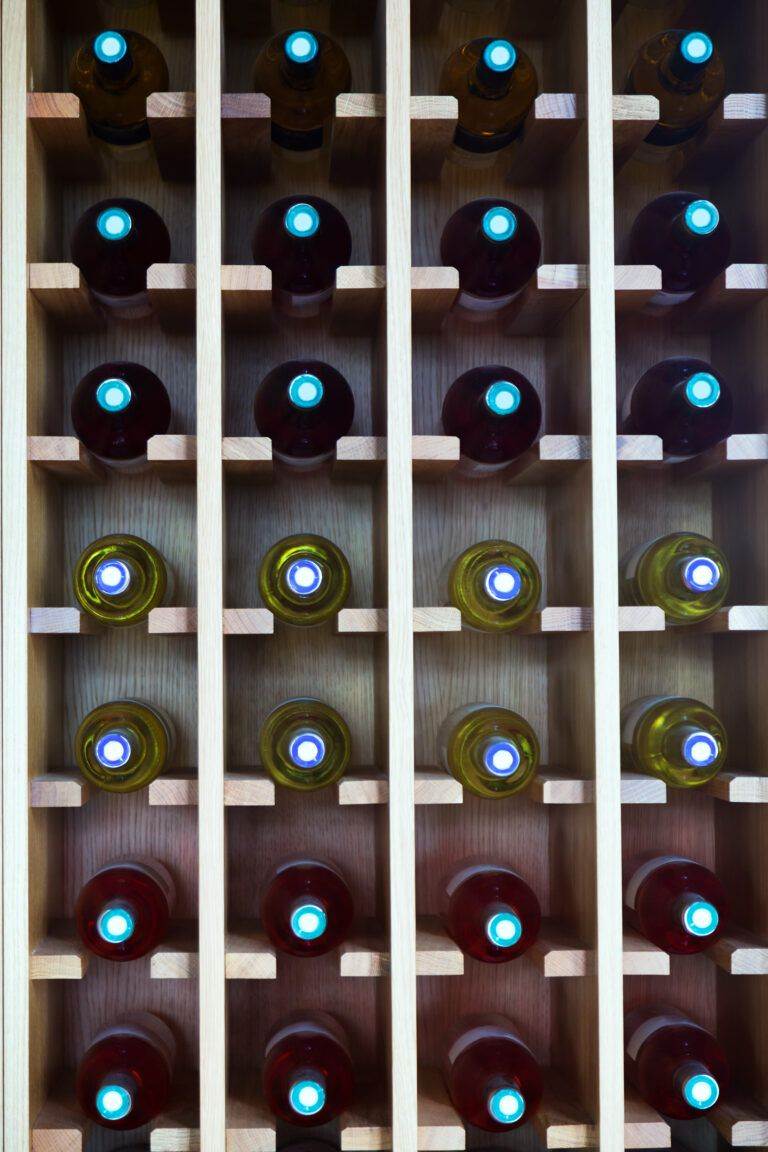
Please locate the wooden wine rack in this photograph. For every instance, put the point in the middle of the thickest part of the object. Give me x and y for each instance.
(396, 661)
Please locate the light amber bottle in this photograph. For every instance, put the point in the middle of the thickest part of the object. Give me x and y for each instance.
(495, 84)
(302, 72)
(113, 74)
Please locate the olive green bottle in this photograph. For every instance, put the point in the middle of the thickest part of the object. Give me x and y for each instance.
(684, 573)
(305, 744)
(304, 580)
(119, 579)
(495, 585)
(123, 745)
(491, 751)
(677, 739)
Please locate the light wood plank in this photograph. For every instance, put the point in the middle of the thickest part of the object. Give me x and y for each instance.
(637, 788)
(738, 788)
(62, 292)
(633, 119)
(58, 790)
(740, 953)
(59, 1125)
(561, 1122)
(64, 457)
(249, 954)
(557, 953)
(432, 123)
(440, 1127)
(743, 1123)
(250, 1125)
(643, 1127)
(59, 122)
(59, 956)
(366, 1127)
(641, 957)
(436, 953)
(171, 120)
(177, 957)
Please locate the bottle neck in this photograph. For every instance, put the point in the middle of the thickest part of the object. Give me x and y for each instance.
(687, 64)
(696, 1085)
(693, 576)
(503, 926)
(113, 62)
(116, 923)
(308, 919)
(697, 916)
(300, 61)
(116, 1097)
(114, 749)
(686, 744)
(506, 1105)
(307, 1093)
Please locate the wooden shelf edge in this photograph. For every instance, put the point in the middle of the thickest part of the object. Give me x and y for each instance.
(60, 955)
(58, 790)
(641, 957)
(248, 954)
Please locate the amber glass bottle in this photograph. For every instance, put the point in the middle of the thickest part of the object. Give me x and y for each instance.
(684, 71)
(113, 244)
(495, 84)
(302, 72)
(113, 74)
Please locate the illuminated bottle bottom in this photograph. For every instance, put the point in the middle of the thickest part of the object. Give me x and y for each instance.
(115, 925)
(504, 929)
(113, 1102)
(307, 1097)
(701, 1091)
(308, 922)
(506, 1105)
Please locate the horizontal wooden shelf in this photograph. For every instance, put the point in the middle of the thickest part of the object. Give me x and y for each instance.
(641, 957)
(550, 128)
(356, 303)
(551, 294)
(558, 953)
(559, 1123)
(739, 287)
(59, 956)
(738, 788)
(176, 958)
(737, 618)
(249, 955)
(242, 789)
(643, 1126)
(740, 953)
(61, 1127)
(61, 290)
(61, 126)
(66, 621)
(171, 457)
(741, 1122)
(58, 790)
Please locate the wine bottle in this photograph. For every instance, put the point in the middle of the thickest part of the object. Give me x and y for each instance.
(304, 580)
(495, 84)
(674, 902)
(495, 585)
(124, 1078)
(496, 248)
(308, 1076)
(303, 240)
(304, 406)
(676, 1065)
(496, 414)
(490, 750)
(493, 1079)
(122, 912)
(116, 408)
(119, 579)
(113, 244)
(683, 573)
(307, 907)
(113, 74)
(124, 745)
(684, 401)
(302, 72)
(305, 744)
(489, 911)
(687, 239)
(685, 73)
(677, 739)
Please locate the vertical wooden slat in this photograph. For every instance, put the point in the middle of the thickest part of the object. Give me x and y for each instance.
(402, 893)
(210, 579)
(605, 552)
(14, 595)
(14, 589)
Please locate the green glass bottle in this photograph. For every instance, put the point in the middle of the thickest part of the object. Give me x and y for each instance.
(123, 745)
(119, 579)
(491, 751)
(305, 744)
(495, 84)
(304, 580)
(683, 573)
(677, 739)
(113, 74)
(495, 585)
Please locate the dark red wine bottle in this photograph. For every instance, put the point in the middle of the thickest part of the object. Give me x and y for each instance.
(308, 1077)
(496, 414)
(116, 408)
(113, 244)
(686, 238)
(684, 401)
(493, 1079)
(307, 907)
(304, 406)
(489, 911)
(124, 1078)
(303, 240)
(122, 912)
(674, 902)
(676, 1065)
(496, 248)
